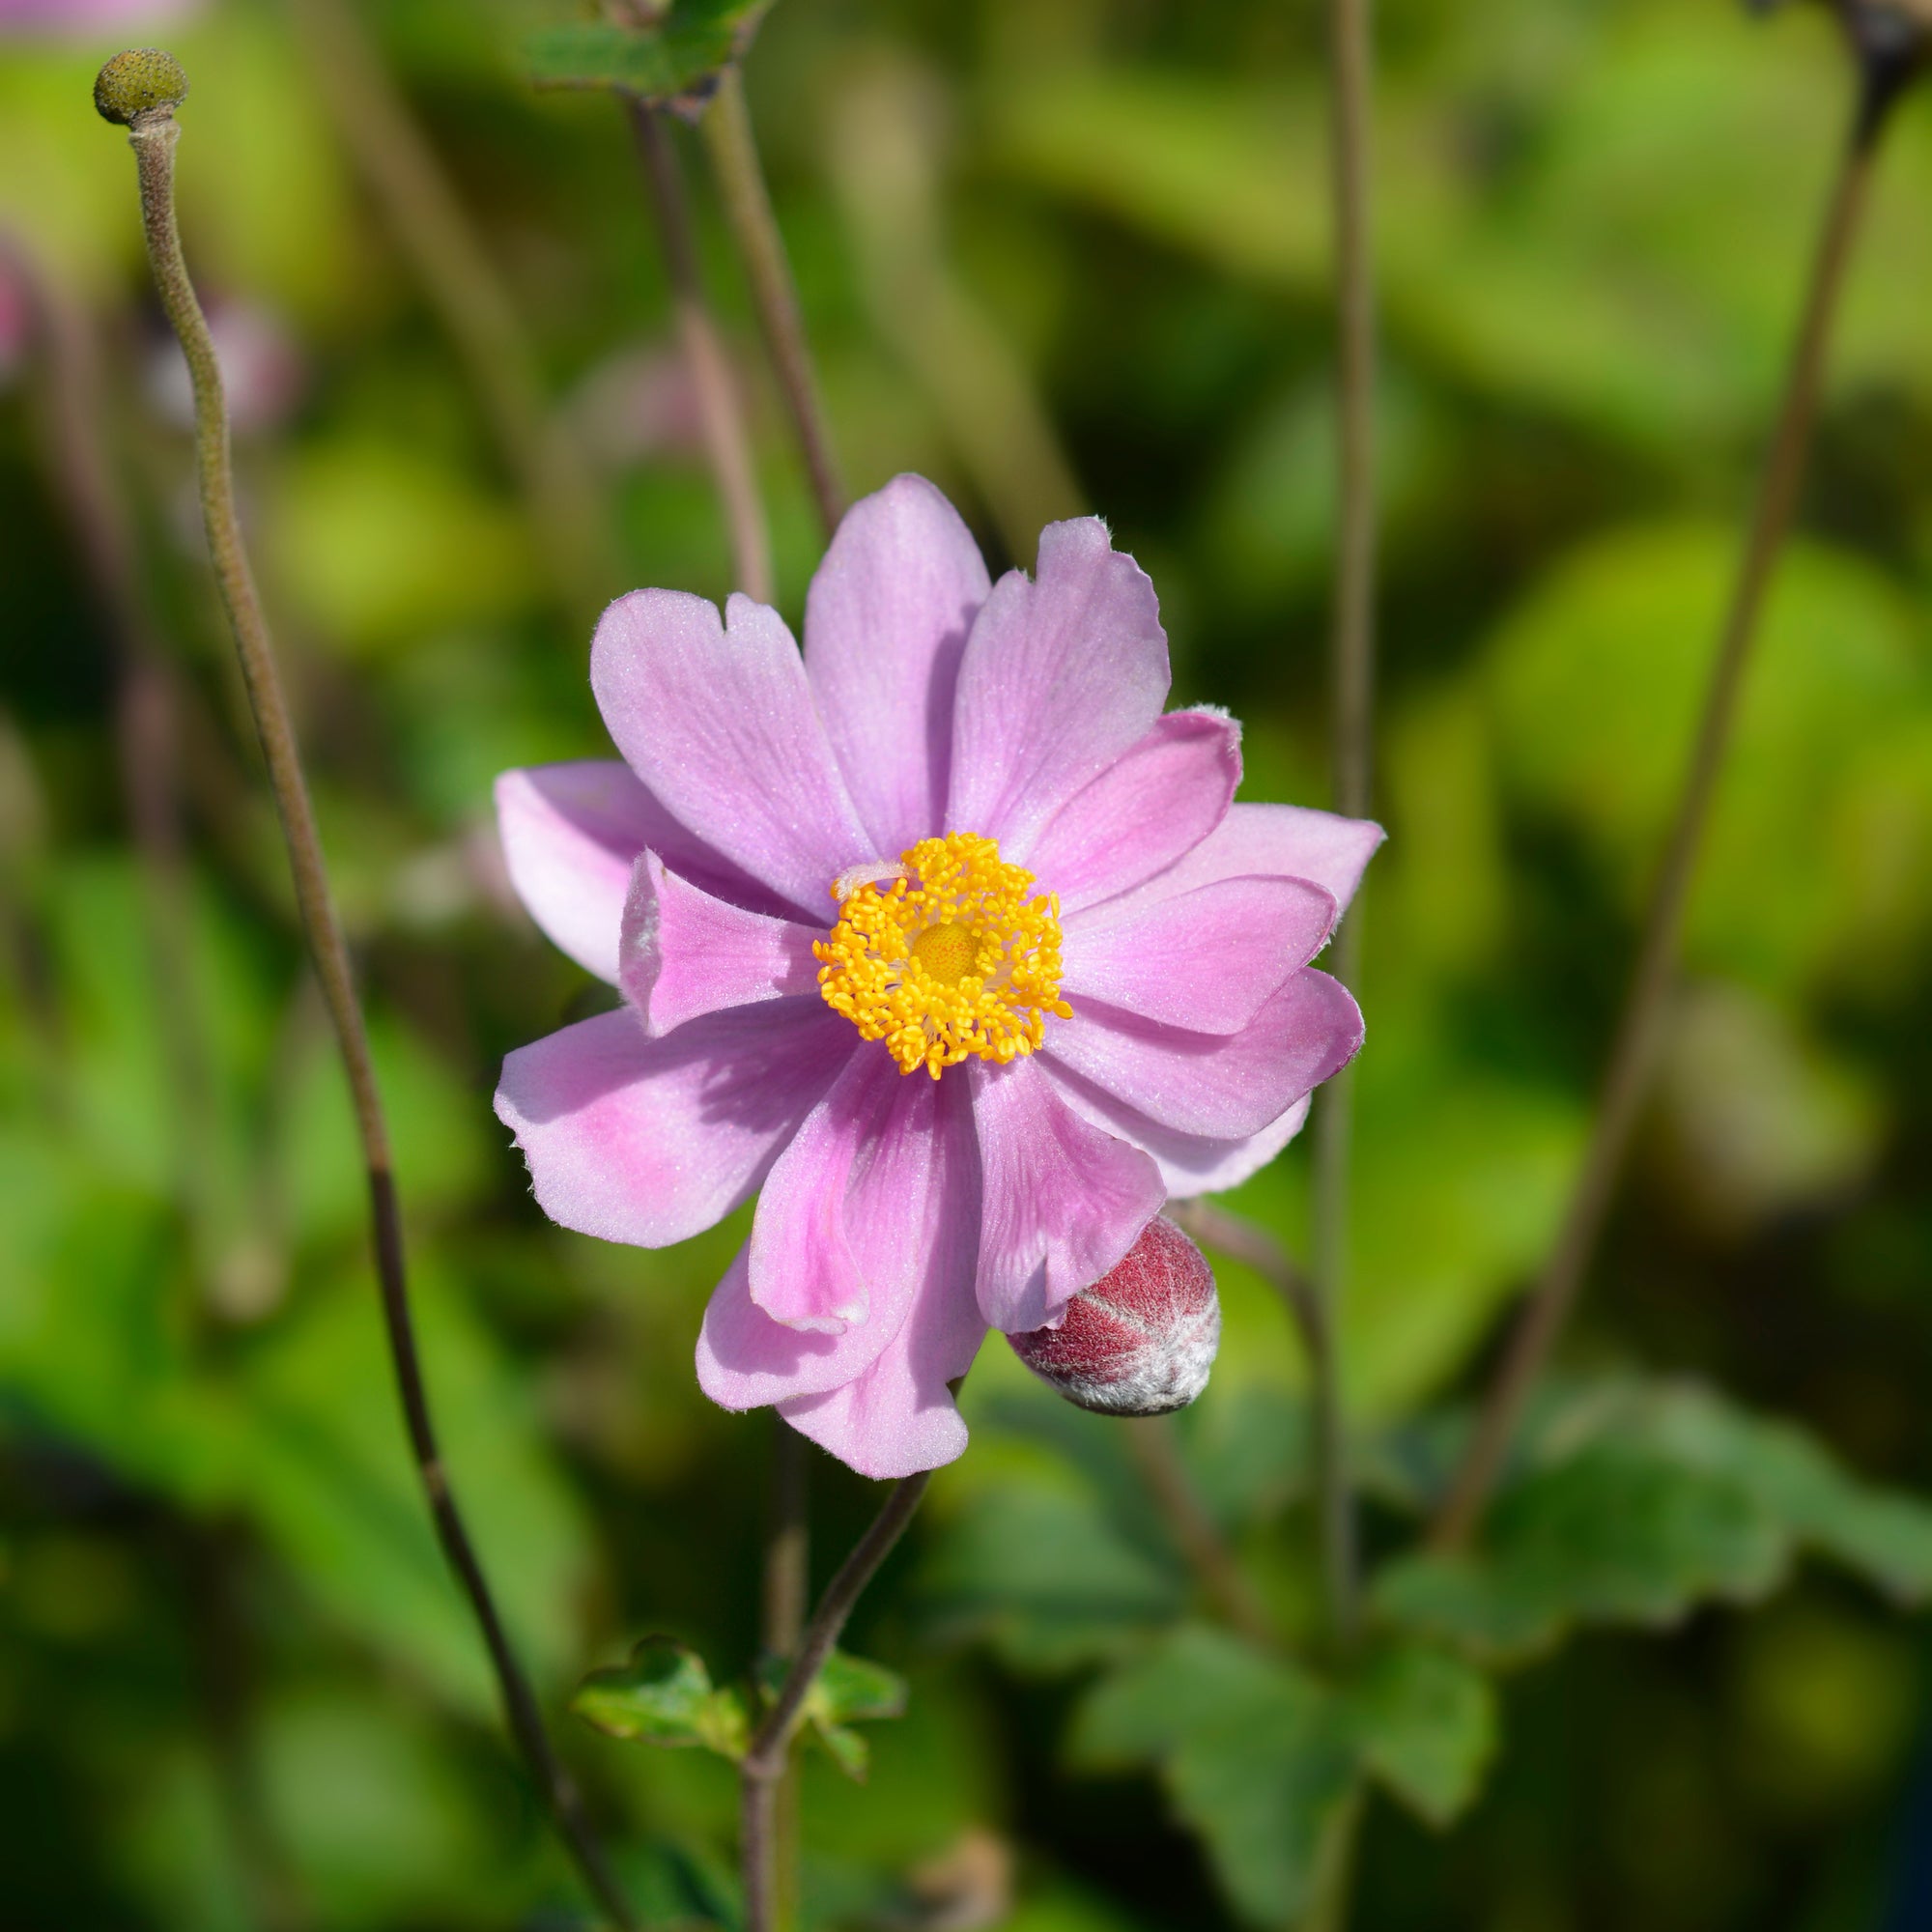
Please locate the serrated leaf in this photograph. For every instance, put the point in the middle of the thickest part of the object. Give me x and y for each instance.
(1257, 1757)
(1426, 1722)
(664, 1695)
(673, 60)
(1640, 1500)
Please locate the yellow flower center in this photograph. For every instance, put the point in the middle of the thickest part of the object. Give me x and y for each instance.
(949, 958)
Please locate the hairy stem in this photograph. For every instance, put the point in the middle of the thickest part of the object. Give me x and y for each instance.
(404, 177)
(1633, 1049)
(1150, 1443)
(747, 207)
(153, 138)
(764, 1763)
(1354, 659)
(726, 440)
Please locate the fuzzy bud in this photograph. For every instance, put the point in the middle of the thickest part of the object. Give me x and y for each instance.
(1142, 1339)
(139, 84)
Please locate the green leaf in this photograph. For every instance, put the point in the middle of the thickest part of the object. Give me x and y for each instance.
(664, 1695)
(847, 1690)
(673, 60)
(1426, 1720)
(1639, 1501)
(1257, 1757)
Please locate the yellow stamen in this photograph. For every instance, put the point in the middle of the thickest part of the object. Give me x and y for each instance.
(949, 958)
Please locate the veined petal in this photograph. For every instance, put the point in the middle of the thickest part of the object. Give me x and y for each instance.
(1206, 959)
(885, 623)
(1189, 1164)
(1155, 803)
(571, 835)
(1283, 841)
(1061, 676)
(1216, 1086)
(1062, 1201)
(720, 725)
(651, 1141)
(685, 954)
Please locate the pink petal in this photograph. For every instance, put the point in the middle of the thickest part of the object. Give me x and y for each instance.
(905, 1219)
(1060, 678)
(1156, 802)
(685, 954)
(1285, 842)
(1062, 1201)
(803, 1269)
(1189, 1164)
(650, 1141)
(1217, 1086)
(571, 835)
(721, 725)
(885, 623)
(1206, 959)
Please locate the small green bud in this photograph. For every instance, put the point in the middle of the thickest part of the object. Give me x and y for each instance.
(141, 82)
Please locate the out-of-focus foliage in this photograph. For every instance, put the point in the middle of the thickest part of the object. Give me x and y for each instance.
(1057, 254)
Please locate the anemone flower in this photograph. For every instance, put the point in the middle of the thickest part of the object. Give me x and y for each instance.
(941, 940)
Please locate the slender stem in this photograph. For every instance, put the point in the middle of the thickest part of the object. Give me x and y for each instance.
(1351, 64)
(1255, 1248)
(1151, 1444)
(727, 438)
(787, 1584)
(1634, 1050)
(748, 207)
(438, 240)
(153, 138)
(764, 1763)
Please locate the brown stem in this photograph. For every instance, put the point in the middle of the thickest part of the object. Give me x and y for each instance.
(734, 149)
(152, 136)
(726, 440)
(404, 177)
(1352, 70)
(764, 1762)
(1634, 1050)
(1150, 1442)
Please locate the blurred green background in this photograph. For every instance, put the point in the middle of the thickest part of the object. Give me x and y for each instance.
(1056, 254)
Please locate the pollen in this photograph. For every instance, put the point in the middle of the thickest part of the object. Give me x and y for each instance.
(950, 957)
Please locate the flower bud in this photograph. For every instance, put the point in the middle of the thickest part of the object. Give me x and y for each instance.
(1142, 1339)
(141, 82)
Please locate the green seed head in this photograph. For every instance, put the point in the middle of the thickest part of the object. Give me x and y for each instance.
(143, 81)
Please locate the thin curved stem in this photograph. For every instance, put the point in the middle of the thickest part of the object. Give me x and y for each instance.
(733, 148)
(726, 440)
(1354, 659)
(153, 137)
(1634, 1050)
(764, 1763)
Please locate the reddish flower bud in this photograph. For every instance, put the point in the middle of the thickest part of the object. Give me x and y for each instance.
(1142, 1339)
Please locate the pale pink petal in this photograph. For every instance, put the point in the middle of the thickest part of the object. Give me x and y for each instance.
(1189, 1164)
(1283, 841)
(1217, 1086)
(1156, 802)
(1061, 676)
(720, 725)
(1206, 959)
(885, 623)
(685, 954)
(1062, 1201)
(804, 1269)
(650, 1141)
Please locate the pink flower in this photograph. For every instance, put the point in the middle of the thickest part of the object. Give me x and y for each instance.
(942, 936)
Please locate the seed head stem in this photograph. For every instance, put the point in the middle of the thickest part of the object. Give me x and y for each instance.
(154, 136)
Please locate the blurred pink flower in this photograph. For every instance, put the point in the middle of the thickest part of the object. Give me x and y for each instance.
(79, 18)
(16, 316)
(262, 370)
(1046, 901)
